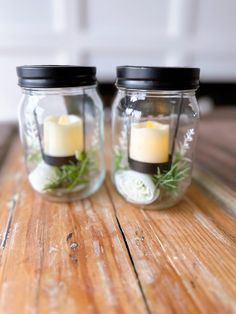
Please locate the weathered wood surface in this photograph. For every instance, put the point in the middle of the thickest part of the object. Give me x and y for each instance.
(216, 156)
(216, 148)
(7, 131)
(56, 258)
(103, 255)
(185, 256)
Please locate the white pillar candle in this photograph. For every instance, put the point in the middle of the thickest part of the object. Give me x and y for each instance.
(149, 142)
(63, 135)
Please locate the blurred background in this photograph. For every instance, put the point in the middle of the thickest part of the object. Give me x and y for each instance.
(117, 32)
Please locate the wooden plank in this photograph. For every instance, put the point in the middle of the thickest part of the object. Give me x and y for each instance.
(185, 259)
(9, 178)
(7, 131)
(62, 258)
(214, 211)
(215, 167)
(216, 146)
(217, 188)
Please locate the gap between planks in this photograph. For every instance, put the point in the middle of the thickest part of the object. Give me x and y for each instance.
(106, 184)
(175, 245)
(128, 250)
(29, 202)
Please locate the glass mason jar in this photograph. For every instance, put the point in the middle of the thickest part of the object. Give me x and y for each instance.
(154, 129)
(61, 128)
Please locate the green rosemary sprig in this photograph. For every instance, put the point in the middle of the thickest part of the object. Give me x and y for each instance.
(170, 179)
(71, 175)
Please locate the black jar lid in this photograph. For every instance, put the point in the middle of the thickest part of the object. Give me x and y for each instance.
(52, 76)
(157, 78)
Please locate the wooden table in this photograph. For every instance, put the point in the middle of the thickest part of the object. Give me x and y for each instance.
(102, 255)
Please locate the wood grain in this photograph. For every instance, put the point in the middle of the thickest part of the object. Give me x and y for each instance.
(104, 255)
(58, 258)
(7, 131)
(184, 260)
(9, 178)
(215, 166)
(216, 146)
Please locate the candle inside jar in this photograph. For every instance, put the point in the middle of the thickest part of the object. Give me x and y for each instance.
(63, 135)
(149, 142)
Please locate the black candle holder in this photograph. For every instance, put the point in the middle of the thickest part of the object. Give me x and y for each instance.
(149, 168)
(58, 161)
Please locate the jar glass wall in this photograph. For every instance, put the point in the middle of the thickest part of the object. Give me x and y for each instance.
(153, 139)
(62, 133)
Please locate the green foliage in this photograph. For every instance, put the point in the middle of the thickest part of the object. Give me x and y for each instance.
(170, 179)
(73, 174)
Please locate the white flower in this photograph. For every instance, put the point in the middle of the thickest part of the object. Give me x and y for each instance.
(136, 187)
(42, 175)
